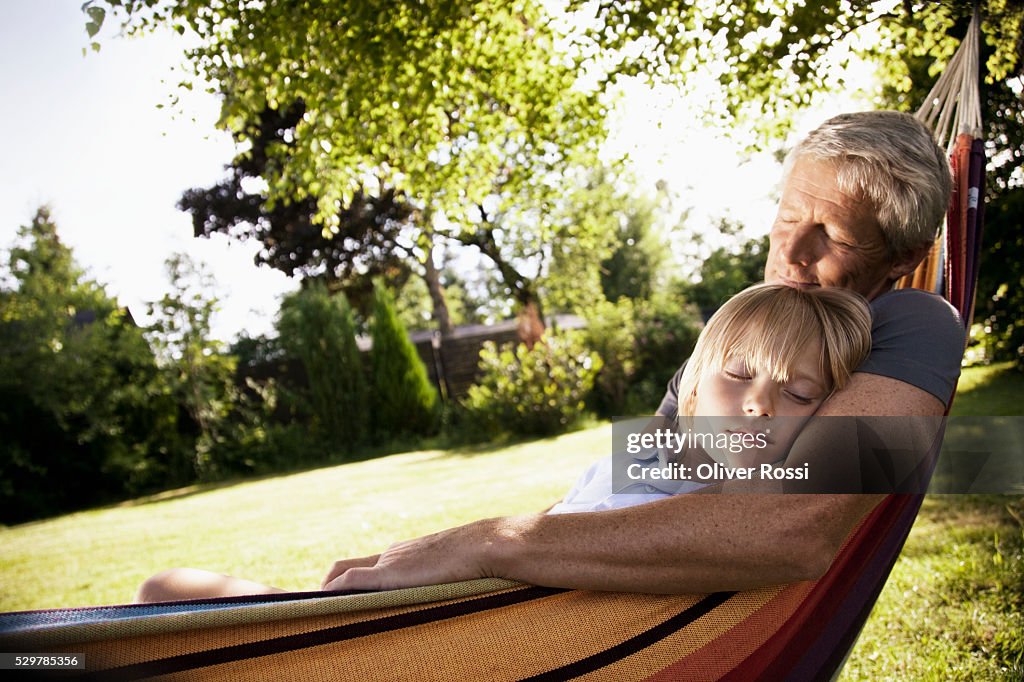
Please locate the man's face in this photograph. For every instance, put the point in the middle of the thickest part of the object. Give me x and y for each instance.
(825, 237)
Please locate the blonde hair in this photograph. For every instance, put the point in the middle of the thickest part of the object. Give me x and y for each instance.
(769, 325)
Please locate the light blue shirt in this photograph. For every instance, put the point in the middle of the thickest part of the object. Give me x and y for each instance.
(595, 490)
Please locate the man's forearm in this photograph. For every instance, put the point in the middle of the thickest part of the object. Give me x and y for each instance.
(688, 543)
(683, 544)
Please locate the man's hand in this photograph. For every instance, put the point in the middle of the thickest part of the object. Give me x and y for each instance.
(447, 556)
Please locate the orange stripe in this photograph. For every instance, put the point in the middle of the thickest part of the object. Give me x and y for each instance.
(130, 650)
(680, 648)
(504, 643)
(721, 656)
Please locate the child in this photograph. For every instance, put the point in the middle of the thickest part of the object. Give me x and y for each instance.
(765, 362)
(762, 366)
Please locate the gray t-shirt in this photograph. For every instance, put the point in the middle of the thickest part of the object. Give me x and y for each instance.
(916, 337)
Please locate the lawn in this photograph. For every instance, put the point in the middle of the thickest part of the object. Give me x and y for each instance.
(951, 609)
(284, 530)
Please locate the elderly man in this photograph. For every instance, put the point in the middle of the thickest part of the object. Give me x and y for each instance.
(862, 198)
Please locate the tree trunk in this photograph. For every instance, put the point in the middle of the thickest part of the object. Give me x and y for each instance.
(530, 326)
(530, 318)
(437, 298)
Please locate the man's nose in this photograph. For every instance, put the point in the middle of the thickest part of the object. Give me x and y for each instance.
(759, 400)
(798, 244)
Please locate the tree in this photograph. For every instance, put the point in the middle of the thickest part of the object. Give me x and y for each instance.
(470, 109)
(80, 408)
(1000, 296)
(771, 58)
(404, 401)
(910, 71)
(728, 270)
(596, 231)
(640, 253)
(368, 242)
(199, 374)
(415, 307)
(317, 329)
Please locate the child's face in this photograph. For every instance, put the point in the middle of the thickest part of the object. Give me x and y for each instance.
(739, 400)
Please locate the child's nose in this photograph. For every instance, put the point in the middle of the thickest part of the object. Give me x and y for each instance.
(758, 401)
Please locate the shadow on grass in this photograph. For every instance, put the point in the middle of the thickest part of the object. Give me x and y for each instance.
(194, 489)
(481, 448)
(443, 446)
(956, 516)
(466, 449)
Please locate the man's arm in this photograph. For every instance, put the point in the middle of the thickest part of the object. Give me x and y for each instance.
(721, 542)
(884, 445)
(870, 395)
(686, 543)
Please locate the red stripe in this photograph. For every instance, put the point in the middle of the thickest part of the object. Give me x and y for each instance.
(781, 653)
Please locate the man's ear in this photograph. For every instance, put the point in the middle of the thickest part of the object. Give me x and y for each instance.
(908, 263)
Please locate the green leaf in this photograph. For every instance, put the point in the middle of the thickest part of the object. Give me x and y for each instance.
(96, 17)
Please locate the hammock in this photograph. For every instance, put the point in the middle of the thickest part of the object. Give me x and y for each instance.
(953, 110)
(496, 629)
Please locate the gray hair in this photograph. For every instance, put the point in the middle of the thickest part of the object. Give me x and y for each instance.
(890, 159)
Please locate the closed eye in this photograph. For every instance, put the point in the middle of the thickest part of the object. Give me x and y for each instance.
(839, 239)
(803, 400)
(736, 376)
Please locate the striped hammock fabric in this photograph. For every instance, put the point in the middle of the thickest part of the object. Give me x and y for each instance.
(487, 629)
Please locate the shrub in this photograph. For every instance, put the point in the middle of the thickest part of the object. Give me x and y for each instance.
(197, 372)
(83, 414)
(317, 329)
(641, 343)
(667, 328)
(404, 400)
(611, 331)
(539, 391)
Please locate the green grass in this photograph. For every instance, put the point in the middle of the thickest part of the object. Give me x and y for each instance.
(951, 609)
(285, 530)
(989, 391)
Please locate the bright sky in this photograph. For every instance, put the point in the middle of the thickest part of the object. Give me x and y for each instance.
(85, 136)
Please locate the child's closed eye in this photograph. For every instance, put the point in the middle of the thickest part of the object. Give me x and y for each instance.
(802, 399)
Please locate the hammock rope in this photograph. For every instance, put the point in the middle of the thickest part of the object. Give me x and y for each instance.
(953, 105)
(952, 110)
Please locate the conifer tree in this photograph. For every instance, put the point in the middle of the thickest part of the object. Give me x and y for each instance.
(318, 330)
(404, 400)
